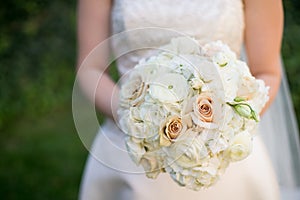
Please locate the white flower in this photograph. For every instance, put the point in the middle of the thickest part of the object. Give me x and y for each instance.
(233, 123)
(188, 150)
(135, 149)
(153, 67)
(210, 166)
(242, 68)
(149, 112)
(182, 65)
(248, 87)
(243, 110)
(123, 116)
(151, 162)
(221, 59)
(200, 176)
(212, 48)
(197, 83)
(260, 97)
(189, 111)
(213, 141)
(240, 146)
(169, 88)
(144, 121)
(183, 45)
(133, 91)
(202, 67)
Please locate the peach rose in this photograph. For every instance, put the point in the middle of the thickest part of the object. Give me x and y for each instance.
(203, 108)
(203, 113)
(170, 130)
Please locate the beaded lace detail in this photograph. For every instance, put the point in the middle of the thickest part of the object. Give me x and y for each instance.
(202, 19)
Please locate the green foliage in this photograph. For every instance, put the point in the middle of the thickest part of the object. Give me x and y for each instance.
(41, 155)
(291, 50)
(41, 158)
(37, 53)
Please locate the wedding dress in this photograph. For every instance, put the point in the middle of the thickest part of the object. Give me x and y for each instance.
(110, 174)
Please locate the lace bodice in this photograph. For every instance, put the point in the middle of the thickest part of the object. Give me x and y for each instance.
(202, 19)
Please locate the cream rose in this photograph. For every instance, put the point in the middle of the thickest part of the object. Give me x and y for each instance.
(133, 91)
(240, 146)
(170, 130)
(151, 164)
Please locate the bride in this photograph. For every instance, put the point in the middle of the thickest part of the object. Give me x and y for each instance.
(138, 26)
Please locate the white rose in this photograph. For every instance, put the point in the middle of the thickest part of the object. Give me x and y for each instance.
(133, 90)
(169, 88)
(255, 91)
(151, 162)
(240, 147)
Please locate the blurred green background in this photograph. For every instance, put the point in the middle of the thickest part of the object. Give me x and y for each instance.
(41, 156)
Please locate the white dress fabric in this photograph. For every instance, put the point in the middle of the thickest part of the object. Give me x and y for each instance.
(110, 174)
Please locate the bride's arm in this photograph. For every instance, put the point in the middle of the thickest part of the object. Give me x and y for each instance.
(93, 28)
(263, 34)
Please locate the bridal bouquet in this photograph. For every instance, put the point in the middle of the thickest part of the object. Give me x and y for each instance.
(190, 111)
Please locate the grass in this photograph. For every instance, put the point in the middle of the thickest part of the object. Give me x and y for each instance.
(41, 158)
